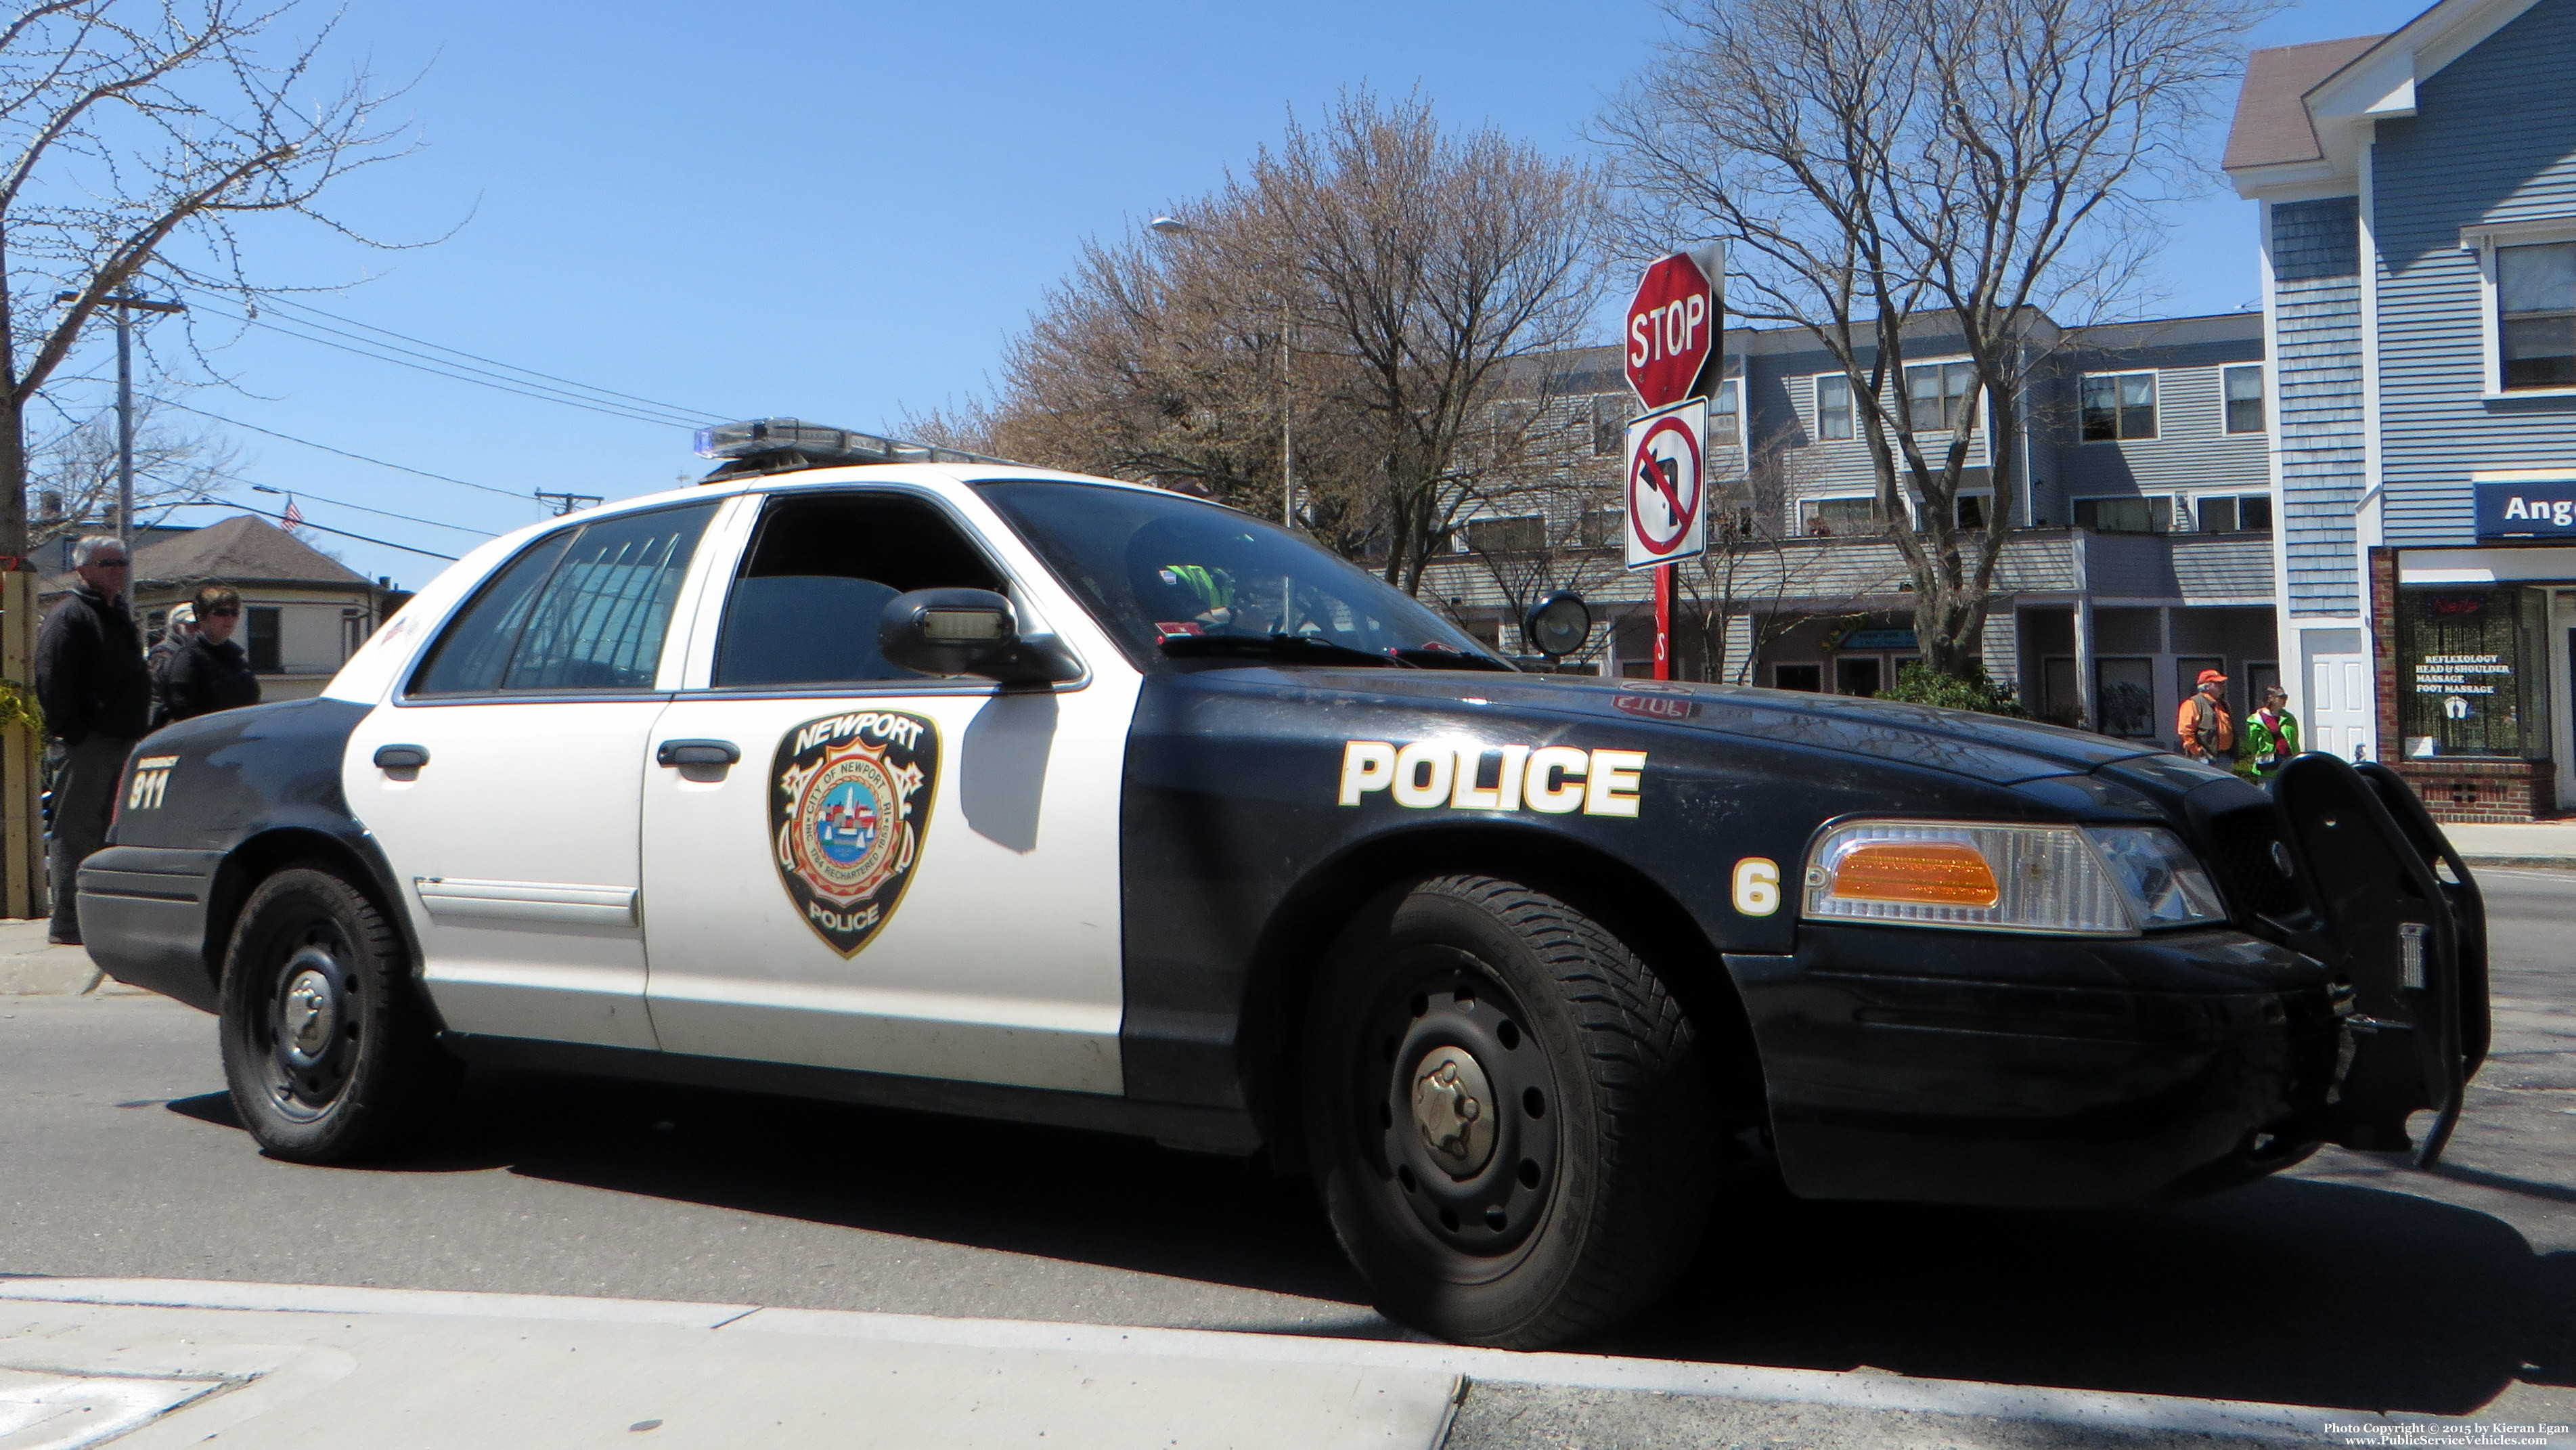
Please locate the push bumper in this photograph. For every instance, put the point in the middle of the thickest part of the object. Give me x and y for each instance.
(1953, 1067)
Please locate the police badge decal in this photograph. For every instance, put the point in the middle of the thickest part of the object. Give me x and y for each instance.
(847, 818)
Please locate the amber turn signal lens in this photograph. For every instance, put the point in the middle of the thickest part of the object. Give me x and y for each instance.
(1936, 873)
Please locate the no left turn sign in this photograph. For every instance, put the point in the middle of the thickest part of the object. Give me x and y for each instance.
(1665, 520)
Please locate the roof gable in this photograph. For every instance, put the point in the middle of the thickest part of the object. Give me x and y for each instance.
(243, 549)
(2272, 126)
(2308, 119)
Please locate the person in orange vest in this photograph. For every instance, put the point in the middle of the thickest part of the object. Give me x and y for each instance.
(2202, 727)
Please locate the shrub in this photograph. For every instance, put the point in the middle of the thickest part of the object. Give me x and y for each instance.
(1916, 684)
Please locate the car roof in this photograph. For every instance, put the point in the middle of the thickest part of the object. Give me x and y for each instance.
(950, 475)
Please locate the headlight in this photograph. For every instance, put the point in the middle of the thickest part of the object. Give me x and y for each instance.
(2088, 881)
(2159, 875)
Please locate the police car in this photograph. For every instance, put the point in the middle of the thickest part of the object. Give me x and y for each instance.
(866, 772)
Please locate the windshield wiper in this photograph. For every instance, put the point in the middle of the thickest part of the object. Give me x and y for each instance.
(1448, 659)
(1298, 647)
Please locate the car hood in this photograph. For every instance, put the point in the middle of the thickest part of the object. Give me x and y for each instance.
(1982, 747)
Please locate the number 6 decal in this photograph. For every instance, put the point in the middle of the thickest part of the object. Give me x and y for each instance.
(1757, 886)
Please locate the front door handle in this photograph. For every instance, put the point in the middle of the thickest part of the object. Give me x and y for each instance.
(697, 752)
(401, 757)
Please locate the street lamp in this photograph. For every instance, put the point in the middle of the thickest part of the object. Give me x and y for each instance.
(1172, 226)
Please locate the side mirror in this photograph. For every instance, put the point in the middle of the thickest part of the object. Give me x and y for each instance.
(1557, 624)
(968, 632)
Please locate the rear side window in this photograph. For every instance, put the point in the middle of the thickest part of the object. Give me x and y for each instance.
(585, 609)
(804, 609)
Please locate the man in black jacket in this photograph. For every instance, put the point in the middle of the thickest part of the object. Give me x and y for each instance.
(208, 671)
(97, 699)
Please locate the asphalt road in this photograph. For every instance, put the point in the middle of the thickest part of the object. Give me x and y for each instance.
(2350, 1282)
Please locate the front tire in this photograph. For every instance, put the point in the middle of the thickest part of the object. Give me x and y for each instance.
(1515, 1130)
(328, 1049)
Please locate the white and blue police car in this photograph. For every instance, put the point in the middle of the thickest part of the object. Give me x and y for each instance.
(879, 773)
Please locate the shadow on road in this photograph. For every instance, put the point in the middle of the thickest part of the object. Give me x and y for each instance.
(2286, 1291)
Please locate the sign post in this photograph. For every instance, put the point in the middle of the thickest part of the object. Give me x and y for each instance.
(1673, 327)
(1667, 498)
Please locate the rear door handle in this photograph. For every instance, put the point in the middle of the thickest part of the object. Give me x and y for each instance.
(697, 752)
(401, 757)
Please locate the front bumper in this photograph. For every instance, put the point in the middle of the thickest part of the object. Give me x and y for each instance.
(1957, 1067)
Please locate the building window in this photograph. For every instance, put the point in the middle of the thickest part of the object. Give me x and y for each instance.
(1810, 678)
(1939, 393)
(1725, 414)
(262, 646)
(1602, 528)
(2244, 388)
(2151, 515)
(1833, 407)
(2469, 668)
(2118, 406)
(2249, 513)
(2124, 691)
(1841, 518)
(1524, 534)
(1609, 425)
(2536, 315)
(1858, 675)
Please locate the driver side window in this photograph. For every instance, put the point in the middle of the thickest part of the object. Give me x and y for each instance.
(803, 608)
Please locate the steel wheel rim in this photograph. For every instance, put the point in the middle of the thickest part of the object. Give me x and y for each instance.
(308, 1024)
(1477, 1186)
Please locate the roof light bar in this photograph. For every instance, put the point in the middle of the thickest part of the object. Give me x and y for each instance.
(795, 443)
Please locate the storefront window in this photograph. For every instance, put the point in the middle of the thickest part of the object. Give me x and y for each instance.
(2470, 672)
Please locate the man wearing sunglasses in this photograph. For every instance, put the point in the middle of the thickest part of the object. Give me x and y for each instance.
(208, 670)
(97, 697)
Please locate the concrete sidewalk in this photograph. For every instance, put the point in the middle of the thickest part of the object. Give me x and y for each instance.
(32, 967)
(160, 1364)
(2541, 843)
(307, 1367)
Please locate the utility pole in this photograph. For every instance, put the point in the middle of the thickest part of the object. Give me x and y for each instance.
(126, 305)
(564, 503)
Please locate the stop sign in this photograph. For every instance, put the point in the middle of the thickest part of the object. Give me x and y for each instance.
(1672, 328)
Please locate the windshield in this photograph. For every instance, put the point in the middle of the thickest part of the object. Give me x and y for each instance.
(1149, 565)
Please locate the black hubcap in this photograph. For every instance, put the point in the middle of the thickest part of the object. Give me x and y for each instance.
(1465, 1106)
(309, 1024)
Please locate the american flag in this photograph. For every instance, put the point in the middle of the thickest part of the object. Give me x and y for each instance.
(293, 516)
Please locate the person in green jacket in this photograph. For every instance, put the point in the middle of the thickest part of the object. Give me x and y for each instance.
(2271, 734)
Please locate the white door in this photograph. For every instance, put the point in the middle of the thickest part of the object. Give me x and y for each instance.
(895, 873)
(504, 782)
(2340, 710)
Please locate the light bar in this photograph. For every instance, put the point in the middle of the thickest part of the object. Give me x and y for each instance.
(821, 444)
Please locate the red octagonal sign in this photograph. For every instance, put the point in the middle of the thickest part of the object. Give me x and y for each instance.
(1672, 325)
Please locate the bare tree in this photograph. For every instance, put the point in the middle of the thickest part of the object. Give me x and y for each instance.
(139, 136)
(72, 472)
(1423, 265)
(1887, 172)
(1362, 289)
(1756, 570)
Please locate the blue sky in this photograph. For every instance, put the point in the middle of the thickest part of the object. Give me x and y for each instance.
(835, 211)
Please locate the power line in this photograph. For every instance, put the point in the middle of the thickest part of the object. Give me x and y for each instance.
(698, 413)
(302, 523)
(362, 508)
(457, 372)
(343, 452)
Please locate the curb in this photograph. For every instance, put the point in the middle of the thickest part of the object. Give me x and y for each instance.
(56, 972)
(1859, 1390)
(2527, 863)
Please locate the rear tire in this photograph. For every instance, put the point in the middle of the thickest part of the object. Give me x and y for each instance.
(329, 1050)
(1515, 1131)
